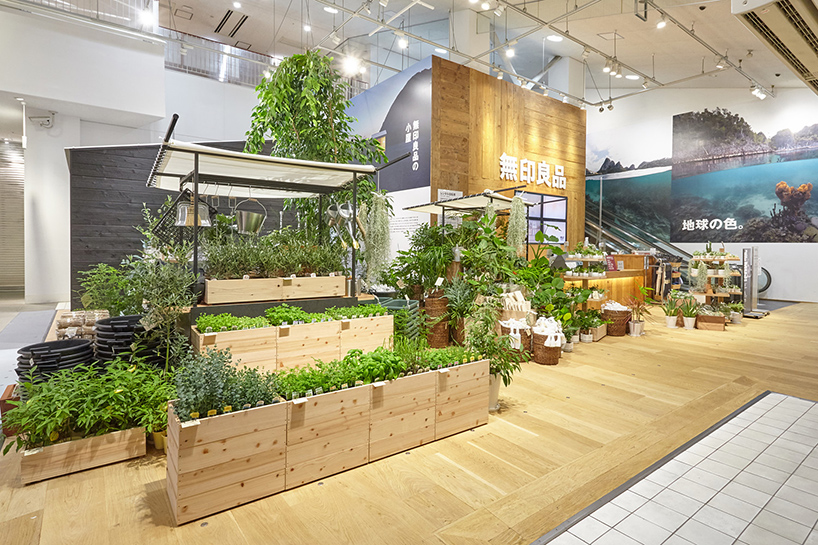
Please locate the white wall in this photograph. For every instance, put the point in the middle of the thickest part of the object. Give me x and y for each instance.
(641, 129)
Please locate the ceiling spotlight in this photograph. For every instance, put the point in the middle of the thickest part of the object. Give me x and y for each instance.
(384, 3)
(6, 140)
(334, 37)
(362, 70)
(307, 28)
(662, 23)
(330, 9)
(749, 54)
(721, 63)
(266, 74)
(758, 92)
(585, 53)
(645, 84)
(608, 66)
(485, 6)
(632, 77)
(146, 17)
(498, 11)
(237, 5)
(610, 106)
(351, 65)
(500, 75)
(510, 52)
(565, 100)
(618, 74)
(403, 43)
(554, 38)
(440, 50)
(601, 109)
(614, 68)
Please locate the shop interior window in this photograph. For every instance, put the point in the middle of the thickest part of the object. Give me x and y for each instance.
(549, 215)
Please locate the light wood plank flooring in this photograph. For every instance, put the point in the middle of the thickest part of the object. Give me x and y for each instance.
(565, 436)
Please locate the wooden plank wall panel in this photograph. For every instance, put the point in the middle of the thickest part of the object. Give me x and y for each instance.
(107, 194)
(476, 118)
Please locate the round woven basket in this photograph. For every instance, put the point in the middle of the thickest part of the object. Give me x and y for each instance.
(545, 355)
(458, 332)
(438, 336)
(619, 322)
(525, 337)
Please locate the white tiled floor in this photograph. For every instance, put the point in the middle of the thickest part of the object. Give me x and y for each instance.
(753, 481)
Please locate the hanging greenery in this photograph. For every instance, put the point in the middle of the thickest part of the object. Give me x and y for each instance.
(701, 277)
(728, 280)
(517, 227)
(302, 111)
(377, 237)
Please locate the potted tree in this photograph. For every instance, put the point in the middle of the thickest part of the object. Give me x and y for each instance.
(639, 307)
(690, 309)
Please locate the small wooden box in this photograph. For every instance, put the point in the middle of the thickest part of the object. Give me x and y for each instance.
(223, 461)
(242, 291)
(599, 332)
(367, 334)
(254, 347)
(403, 415)
(302, 344)
(306, 287)
(72, 456)
(711, 323)
(327, 434)
(462, 398)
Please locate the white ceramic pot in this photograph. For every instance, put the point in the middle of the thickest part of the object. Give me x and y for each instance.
(586, 338)
(670, 321)
(568, 347)
(636, 328)
(575, 338)
(735, 317)
(711, 272)
(694, 272)
(494, 392)
(690, 322)
(586, 275)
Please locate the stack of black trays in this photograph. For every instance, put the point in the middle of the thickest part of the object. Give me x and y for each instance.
(40, 360)
(117, 336)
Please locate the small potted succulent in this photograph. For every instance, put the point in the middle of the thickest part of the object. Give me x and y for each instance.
(690, 309)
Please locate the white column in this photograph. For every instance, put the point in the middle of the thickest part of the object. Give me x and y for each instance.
(568, 76)
(471, 34)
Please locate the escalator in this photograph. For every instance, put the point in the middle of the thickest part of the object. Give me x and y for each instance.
(622, 236)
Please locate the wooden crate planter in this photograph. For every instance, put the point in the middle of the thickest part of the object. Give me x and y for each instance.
(306, 287)
(327, 434)
(366, 334)
(72, 456)
(301, 344)
(462, 399)
(599, 332)
(254, 347)
(711, 323)
(403, 415)
(243, 291)
(224, 461)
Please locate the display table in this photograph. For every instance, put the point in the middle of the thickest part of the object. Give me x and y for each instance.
(618, 285)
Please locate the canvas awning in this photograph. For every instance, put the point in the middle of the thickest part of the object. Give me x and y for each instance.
(237, 174)
(467, 204)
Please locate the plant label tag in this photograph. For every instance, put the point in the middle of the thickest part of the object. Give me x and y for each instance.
(378, 384)
(359, 383)
(284, 323)
(344, 386)
(312, 275)
(439, 282)
(309, 392)
(246, 277)
(407, 298)
(319, 391)
(228, 408)
(212, 412)
(292, 276)
(293, 395)
(333, 388)
(332, 274)
(300, 400)
(401, 284)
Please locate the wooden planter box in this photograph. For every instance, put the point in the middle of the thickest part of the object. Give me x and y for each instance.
(403, 415)
(327, 434)
(254, 347)
(599, 332)
(300, 345)
(9, 394)
(223, 461)
(711, 323)
(72, 456)
(462, 399)
(367, 333)
(243, 291)
(306, 287)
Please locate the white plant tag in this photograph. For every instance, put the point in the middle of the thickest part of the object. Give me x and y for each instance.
(439, 281)
(246, 277)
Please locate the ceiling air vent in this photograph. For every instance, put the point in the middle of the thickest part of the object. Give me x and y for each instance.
(231, 23)
(789, 28)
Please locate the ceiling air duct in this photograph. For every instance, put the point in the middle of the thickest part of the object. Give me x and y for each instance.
(789, 28)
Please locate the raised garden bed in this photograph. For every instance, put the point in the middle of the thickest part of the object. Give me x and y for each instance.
(72, 456)
(462, 398)
(403, 415)
(254, 347)
(711, 323)
(273, 289)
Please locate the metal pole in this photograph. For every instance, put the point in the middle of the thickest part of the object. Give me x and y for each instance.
(599, 235)
(354, 283)
(320, 215)
(528, 226)
(195, 219)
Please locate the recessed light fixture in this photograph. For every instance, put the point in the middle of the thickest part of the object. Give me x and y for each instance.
(485, 6)
(307, 28)
(510, 52)
(237, 5)
(632, 77)
(330, 9)
(554, 38)
(440, 50)
(403, 43)
(662, 23)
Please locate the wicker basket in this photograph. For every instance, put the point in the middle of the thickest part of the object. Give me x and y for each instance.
(525, 337)
(458, 332)
(438, 335)
(619, 322)
(545, 355)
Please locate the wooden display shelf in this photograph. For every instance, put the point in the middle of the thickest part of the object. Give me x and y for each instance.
(571, 277)
(596, 258)
(72, 456)
(722, 275)
(273, 289)
(715, 259)
(223, 461)
(713, 294)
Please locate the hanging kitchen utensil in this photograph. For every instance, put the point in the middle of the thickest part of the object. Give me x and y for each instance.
(345, 211)
(249, 223)
(185, 213)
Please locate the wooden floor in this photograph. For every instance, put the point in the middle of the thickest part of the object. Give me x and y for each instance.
(565, 436)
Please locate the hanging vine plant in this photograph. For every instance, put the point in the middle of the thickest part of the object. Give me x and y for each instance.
(378, 240)
(302, 110)
(517, 227)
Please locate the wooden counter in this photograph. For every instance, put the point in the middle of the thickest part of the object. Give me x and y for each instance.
(618, 285)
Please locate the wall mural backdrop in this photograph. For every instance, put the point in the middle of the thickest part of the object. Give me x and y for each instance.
(727, 183)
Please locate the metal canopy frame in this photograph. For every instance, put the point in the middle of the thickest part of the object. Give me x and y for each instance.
(307, 190)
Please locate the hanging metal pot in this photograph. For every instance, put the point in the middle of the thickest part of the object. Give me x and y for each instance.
(249, 223)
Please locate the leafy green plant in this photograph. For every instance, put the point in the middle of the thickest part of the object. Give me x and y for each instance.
(489, 261)
(482, 339)
(461, 298)
(640, 305)
(359, 311)
(690, 308)
(82, 402)
(284, 313)
(106, 287)
(227, 322)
